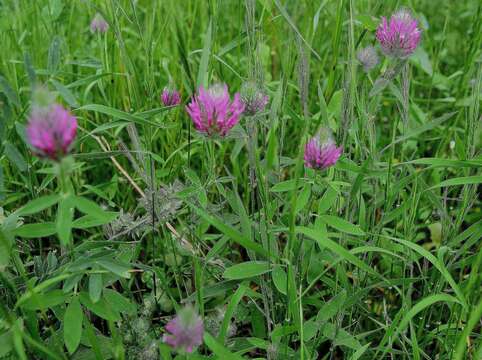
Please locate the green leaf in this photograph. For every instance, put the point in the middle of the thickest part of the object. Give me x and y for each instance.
(94, 342)
(118, 114)
(118, 302)
(66, 94)
(202, 76)
(288, 19)
(89, 221)
(334, 106)
(89, 207)
(65, 214)
(9, 92)
(438, 162)
(100, 308)
(6, 344)
(5, 249)
(397, 329)
(198, 283)
(39, 230)
(247, 269)
(18, 330)
(384, 80)
(340, 337)
(369, 22)
(73, 319)
(52, 10)
(95, 287)
(234, 234)
(15, 156)
(421, 129)
(324, 241)
(421, 58)
(341, 225)
(2, 183)
(29, 69)
(218, 349)
(53, 60)
(440, 267)
(279, 279)
(473, 321)
(303, 198)
(468, 180)
(333, 307)
(281, 331)
(116, 267)
(39, 288)
(37, 205)
(43, 301)
(327, 200)
(284, 186)
(236, 298)
(360, 352)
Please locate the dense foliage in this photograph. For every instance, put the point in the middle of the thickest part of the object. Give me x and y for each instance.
(323, 204)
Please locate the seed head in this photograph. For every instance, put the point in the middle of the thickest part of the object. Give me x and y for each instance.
(400, 36)
(253, 98)
(212, 111)
(368, 57)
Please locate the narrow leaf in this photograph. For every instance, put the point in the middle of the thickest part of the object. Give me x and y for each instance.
(37, 205)
(36, 230)
(468, 180)
(246, 270)
(65, 214)
(341, 225)
(218, 349)
(202, 76)
(15, 156)
(95, 287)
(73, 319)
(234, 234)
(324, 241)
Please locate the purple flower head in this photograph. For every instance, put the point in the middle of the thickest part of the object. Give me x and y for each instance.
(99, 24)
(51, 130)
(212, 111)
(321, 151)
(253, 98)
(170, 97)
(185, 330)
(368, 57)
(400, 36)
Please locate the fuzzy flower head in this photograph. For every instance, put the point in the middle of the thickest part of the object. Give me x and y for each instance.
(368, 57)
(212, 111)
(321, 151)
(99, 24)
(170, 97)
(400, 36)
(51, 130)
(253, 98)
(185, 330)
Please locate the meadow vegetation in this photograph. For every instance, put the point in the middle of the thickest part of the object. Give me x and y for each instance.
(224, 179)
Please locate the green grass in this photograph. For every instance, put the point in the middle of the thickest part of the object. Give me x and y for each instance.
(378, 257)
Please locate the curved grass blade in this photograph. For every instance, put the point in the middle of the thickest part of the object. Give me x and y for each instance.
(438, 265)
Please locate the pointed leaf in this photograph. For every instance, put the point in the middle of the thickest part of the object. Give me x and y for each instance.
(73, 319)
(247, 269)
(341, 225)
(37, 205)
